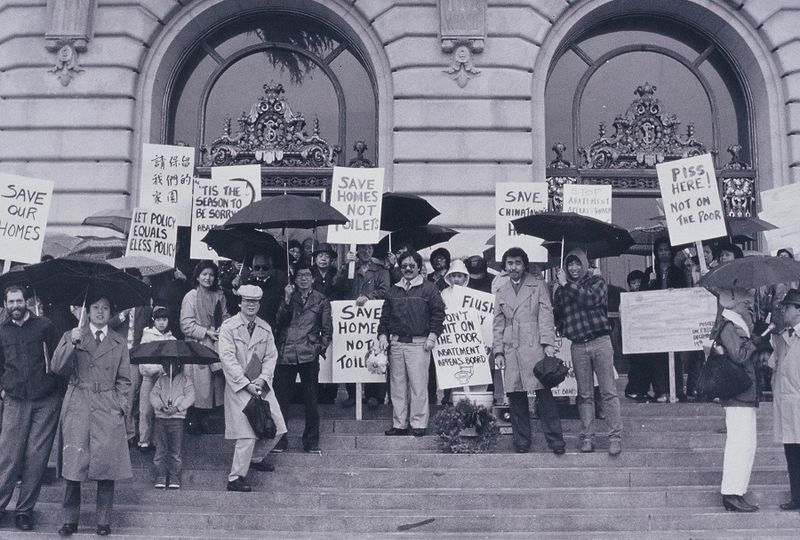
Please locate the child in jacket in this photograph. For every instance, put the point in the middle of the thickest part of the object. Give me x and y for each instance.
(150, 372)
(172, 394)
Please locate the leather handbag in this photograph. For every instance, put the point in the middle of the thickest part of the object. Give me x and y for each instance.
(720, 377)
(259, 415)
(551, 371)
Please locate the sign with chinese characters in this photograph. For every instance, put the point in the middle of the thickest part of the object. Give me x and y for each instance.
(154, 235)
(356, 193)
(515, 200)
(588, 200)
(166, 180)
(692, 203)
(355, 331)
(24, 206)
(460, 354)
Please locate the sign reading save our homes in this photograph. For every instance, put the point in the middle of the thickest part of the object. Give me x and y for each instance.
(166, 180)
(153, 234)
(646, 329)
(515, 200)
(24, 207)
(588, 200)
(355, 332)
(692, 204)
(460, 353)
(356, 193)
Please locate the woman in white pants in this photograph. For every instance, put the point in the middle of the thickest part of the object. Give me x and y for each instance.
(733, 332)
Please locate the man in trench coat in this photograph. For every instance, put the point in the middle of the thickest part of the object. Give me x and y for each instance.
(245, 338)
(94, 444)
(524, 332)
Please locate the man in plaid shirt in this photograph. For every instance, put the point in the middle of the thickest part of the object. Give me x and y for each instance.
(580, 308)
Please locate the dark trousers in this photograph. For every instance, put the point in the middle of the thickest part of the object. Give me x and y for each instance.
(29, 426)
(548, 416)
(168, 437)
(692, 362)
(371, 390)
(285, 376)
(792, 452)
(105, 501)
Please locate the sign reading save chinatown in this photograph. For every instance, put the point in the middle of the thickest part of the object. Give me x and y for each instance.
(692, 205)
(460, 354)
(24, 206)
(354, 332)
(153, 234)
(166, 180)
(515, 200)
(356, 193)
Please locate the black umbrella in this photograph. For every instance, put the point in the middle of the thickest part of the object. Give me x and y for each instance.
(238, 243)
(71, 280)
(577, 229)
(172, 351)
(748, 226)
(14, 277)
(401, 210)
(752, 272)
(419, 237)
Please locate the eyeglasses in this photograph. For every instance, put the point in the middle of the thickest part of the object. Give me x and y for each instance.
(408, 266)
(306, 275)
(249, 301)
(258, 267)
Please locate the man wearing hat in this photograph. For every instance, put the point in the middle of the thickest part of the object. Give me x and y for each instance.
(248, 355)
(323, 270)
(785, 361)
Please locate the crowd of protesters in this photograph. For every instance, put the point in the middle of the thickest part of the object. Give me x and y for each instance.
(270, 322)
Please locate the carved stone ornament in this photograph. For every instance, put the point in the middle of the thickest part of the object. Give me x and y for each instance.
(360, 162)
(69, 29)
(270, 135)
(643, 137)
(738, 192)
(462, 25)
(555, 182)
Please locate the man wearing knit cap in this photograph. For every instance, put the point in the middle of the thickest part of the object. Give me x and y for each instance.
(580, 307)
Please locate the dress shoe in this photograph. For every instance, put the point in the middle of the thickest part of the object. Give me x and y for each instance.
(586, 446)
(23, 522)
(736, 503)
(559, 450)
(418, 432)
(521, 449)
(791, 505)
(639, 398)
(263, 466)
(615, 448)
(394, 432)
(68, 529)
(312, 449)
(103, 530)
(239, 485)
(282, 445)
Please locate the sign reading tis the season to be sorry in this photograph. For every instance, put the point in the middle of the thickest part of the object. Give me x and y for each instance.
(692, 204)
(154, 234)
(356, 193)
(515, 200)
(355, 330)
(460, 353)
(166, 181)
(592, 201)
(24, 206)
(229, 190)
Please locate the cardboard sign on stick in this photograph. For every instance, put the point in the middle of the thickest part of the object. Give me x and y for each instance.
(355, 330)
(460, 354)
(166, 180)
(356, 193)
(154, 234)
(515, 200)
(588, 200)
(692, 205)
(24, 207)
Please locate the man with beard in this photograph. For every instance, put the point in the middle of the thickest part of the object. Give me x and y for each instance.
(32, 401)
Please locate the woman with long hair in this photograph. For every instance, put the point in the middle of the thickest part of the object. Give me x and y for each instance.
(202, 311)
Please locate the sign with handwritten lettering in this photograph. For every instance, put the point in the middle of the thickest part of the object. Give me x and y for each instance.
(515, 200)
(24, 206)
(356, 193)
(460, 354)
(355, 331)
(154, 235)
(166, 180)
(588, 200)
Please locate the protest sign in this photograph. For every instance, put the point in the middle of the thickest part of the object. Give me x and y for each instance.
(515, 200)
(588, 200)
(166, 180)
(325, 375)
(24, 207)
(569, 387)
(666, 321)
(356, 193)
(355, 330)
(154, 234)
(779, 207)
(229, 190)
(479, 302)
(460, 354)
(692, 205)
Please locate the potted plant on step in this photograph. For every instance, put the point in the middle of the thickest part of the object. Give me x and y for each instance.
(465, 428)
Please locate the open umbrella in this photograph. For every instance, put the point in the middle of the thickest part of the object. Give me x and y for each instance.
(748, 226)
(117, 219)
(238, 243)
(419, 237)
(145, 265)
(172, 351)
(99, 248)
(59, 244)
(752, 272)
(69, 281)
(401, 210)
(14, 277)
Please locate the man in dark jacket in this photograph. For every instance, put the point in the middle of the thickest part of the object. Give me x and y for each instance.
(324, 272)
(32, 401)
(272, 281)
(440, 261)
(305, 330)
(411, 320)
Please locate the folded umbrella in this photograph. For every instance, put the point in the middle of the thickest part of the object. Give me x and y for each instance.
(400, 210)
(752, 272)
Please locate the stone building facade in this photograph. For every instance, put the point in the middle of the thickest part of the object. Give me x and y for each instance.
(460, 90)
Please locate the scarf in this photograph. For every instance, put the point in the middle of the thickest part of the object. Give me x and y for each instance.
(206, 301)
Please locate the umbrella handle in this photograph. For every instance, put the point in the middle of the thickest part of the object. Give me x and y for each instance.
(562, 252)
